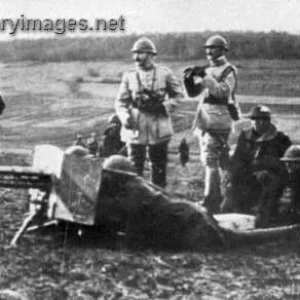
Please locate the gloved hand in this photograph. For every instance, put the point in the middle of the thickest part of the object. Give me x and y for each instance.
(195, 71)
(199, 71)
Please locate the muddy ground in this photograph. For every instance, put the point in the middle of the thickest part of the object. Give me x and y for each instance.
(54, 263)
(46, 106)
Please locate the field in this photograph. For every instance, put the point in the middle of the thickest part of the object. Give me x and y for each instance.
(51, 103)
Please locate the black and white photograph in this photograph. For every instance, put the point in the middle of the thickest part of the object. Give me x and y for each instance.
(149, 149)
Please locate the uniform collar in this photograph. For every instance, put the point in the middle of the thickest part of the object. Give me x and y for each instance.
(220, 61)
(267, 136)
(148, 68)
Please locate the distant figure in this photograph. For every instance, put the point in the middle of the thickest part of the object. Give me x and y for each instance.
(93, 145)
(2, 105)
(291, 159)
(184, 151)
(79, 141)
(112, 143)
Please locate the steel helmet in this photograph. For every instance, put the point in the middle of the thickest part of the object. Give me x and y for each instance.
(113, 119)
(259, 112)
(118, 163)
(292, 154)
(144, 45)
(216, 41)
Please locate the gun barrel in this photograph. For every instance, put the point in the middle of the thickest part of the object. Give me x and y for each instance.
(24, 178)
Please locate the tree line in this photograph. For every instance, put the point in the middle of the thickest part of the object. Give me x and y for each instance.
(171, 46)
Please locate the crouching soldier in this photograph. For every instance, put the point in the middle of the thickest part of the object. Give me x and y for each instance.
(93, 145)
(291, 159)
(79, 141)
(147, 215)
(258, 176)
(112, 143)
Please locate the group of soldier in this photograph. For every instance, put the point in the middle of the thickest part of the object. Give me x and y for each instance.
(252, 179)
(91, 144)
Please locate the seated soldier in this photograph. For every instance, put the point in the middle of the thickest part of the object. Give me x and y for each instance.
(112, 143)
(79, 141)
(258, 177)
(147, 215)
(292, 161)
(92, 144)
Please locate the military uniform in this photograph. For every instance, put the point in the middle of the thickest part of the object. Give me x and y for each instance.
(258, 175)
(93, 146)
(112, 143)
(151, 128)
(79, 142)
(148, 215)
(213, 123)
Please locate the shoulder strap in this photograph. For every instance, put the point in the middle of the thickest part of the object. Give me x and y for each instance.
(225, 73)
(140, 82)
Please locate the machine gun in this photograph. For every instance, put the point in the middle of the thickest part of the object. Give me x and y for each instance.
(61, 187)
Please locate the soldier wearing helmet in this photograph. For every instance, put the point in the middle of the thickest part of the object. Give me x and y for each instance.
(112, 143)
(79, 141)
(216, 84)
(258, 176)
(93, 145)
(291, 159)
(148, 95)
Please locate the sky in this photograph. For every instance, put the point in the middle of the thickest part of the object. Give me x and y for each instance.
(141, 16)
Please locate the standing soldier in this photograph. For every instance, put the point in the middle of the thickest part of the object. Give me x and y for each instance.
(216, 84)
(92, 144)
(147, 96)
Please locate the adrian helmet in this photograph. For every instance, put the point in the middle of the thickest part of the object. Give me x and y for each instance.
(144, 45)
(216, 41)
(118, 163)
(259, 112)
(292, 154)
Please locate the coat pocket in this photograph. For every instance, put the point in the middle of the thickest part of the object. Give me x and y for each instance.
(214, 118)
(164, 128)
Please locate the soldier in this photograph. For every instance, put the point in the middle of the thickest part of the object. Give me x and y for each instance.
(92, 144)
(112, 143)
(148, 215)
(148, 95)
(258, 175)
(79, 141)
(184, 151)
(216, 84)
(291, 159)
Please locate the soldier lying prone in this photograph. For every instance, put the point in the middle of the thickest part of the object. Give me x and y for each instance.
(146, 213)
